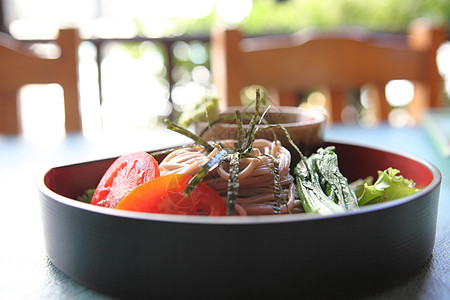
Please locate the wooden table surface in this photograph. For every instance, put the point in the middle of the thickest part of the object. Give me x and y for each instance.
(27, 273)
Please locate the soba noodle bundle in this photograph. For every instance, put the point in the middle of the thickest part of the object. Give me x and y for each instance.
(256, 181)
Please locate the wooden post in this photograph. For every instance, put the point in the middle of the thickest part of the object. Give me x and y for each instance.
(225, 65)
(335, 102)
(69, 42)
(9, 117)
(377, 97)
(426, 37)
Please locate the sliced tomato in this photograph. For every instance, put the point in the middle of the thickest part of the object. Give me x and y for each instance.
(126, 173)
(164, 195)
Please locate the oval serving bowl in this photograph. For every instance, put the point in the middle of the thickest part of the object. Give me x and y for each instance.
(132, 255)
(305, 126)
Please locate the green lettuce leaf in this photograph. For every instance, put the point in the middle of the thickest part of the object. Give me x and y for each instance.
(358, 185)
(390, 185)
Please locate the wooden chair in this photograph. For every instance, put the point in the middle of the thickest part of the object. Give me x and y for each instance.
(20, 66)
(332, 62)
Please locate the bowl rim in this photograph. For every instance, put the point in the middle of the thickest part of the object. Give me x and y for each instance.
(318, 117)
(244, 220)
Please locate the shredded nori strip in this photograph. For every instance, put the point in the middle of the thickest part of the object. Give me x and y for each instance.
(233, 183)
(250, 135)
(276, 187)
(177, 128)
(240, 130)
(277, 182)
(194, 181)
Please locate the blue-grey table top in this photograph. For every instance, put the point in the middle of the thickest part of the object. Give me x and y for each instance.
(26, 272)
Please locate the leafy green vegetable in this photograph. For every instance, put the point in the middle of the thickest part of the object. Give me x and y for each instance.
(322, 188)
(389, 186)
(206, 109)
(311, 194)
(333, 183)
(86, 196)
(318, 192)
(358, 185)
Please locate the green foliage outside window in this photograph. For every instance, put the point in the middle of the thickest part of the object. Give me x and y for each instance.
(270, 16)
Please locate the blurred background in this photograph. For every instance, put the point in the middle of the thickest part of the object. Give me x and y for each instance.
(141, 61)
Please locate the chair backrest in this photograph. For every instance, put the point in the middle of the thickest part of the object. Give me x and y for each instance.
(333, 62)
(20, 66)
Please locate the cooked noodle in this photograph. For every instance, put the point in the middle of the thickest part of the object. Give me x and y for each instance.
(256, 182)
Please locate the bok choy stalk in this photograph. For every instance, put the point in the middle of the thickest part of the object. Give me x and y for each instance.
(333, 183)
(321, 187)
(311, 194)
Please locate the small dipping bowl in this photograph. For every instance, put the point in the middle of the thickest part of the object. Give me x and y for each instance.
(305, 126)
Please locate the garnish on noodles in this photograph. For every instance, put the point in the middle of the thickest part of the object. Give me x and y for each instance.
(246, 182)
(251, 175)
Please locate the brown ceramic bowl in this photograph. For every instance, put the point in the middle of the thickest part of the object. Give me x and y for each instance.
(144, 255)
(305, 126)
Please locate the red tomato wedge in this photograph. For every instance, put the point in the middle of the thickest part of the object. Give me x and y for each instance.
(164, 195)
(126, 173)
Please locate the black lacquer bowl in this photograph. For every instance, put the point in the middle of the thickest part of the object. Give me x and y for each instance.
(134, 255)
